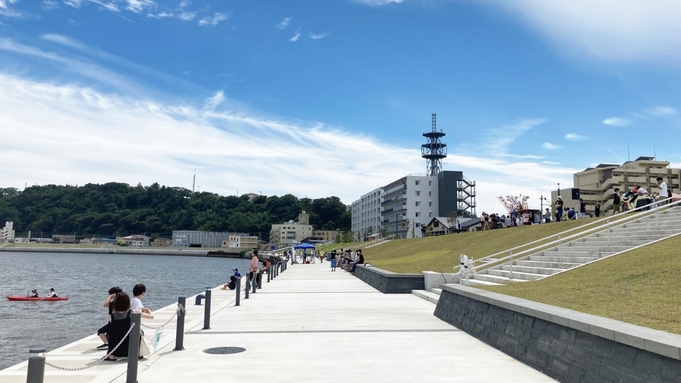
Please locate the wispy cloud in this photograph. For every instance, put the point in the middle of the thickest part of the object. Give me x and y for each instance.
(214, 20)
(138, 6)
(213, 102)
(295, 37)
(49, 5)
(661, 111)
(74, 3)
(616, 121)
(108, 6)
(5, 9)
(378, 2)
(550, 146)
(63, 40)
(574, 137)
(497, 141)
(632, 31)
(319, 36)
(284, 24)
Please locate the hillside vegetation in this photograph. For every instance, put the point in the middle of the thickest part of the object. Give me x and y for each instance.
(120, 209)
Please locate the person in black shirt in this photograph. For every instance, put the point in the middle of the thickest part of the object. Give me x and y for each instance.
(559, 209)
(616, 200)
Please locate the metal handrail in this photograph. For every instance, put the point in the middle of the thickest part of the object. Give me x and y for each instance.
(624, 217)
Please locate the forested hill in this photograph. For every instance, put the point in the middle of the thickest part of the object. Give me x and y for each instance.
(120, 209)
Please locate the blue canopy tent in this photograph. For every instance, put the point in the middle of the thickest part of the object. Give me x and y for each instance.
(302, 246)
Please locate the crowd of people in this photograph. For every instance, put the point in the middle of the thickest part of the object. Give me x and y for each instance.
(347, 258)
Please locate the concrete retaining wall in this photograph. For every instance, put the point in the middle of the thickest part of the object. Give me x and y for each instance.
(567, 345)
(389, 282)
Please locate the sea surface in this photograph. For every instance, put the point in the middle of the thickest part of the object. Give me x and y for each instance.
(85, 279)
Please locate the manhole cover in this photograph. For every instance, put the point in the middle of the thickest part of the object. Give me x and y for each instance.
(224, 350)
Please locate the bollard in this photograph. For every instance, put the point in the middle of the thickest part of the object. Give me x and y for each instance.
(199, 297)
(206, 311)
(258, 279)
(179, 332)
(255, 282)
(268, 275)
(134, 347)
(248, 287)
(36, 366)
(238, 292)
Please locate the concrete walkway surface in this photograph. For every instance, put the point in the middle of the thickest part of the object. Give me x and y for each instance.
(307, 325)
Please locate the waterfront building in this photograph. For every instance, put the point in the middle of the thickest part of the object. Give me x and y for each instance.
(366, 215)
(7, 233)
(242, 242)
(64, 238)
(134, 240)
(195, 238)
(598, 184)
(161, 242)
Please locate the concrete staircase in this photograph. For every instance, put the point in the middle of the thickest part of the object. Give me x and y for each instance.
(568, 255)
(591, 248)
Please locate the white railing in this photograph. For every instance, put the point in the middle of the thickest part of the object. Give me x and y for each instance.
(622, 218)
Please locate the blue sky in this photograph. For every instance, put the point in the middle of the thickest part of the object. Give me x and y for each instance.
(321, 98)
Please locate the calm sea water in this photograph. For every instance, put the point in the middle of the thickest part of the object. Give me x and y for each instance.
(86, 279)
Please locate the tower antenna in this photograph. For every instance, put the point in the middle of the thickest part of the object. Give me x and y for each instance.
(434, 150)
(194, 181)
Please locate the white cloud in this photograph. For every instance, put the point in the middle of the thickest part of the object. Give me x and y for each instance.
(184, 3)
(108, 6)
(574, 137)
(74, 3)
(3, 3)
(318, 37)
(550, 146)
(497, 141)
(295, 37)
(661, 111)
(213, 102)
(138, 6)
(5, 9)
(616, 121)
(379, 2)
(284, 23)
(49, 5)
(214, 20)
(626, 30)
(63, 40)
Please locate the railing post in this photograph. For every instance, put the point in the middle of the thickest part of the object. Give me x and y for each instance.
(206, 310)
(510, 262)
(268, 275)
(238, 292)
(179, 331)
(657, 219)
(134, 347)
(560, 257)
(248, 287)
(608, 222)
(36, 366)
(255, 281)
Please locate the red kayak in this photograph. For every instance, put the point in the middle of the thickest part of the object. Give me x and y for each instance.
(25, 298)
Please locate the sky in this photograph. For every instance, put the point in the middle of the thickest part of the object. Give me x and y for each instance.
(331, 98)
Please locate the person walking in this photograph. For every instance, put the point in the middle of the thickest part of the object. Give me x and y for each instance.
(597, 209)
(334, 261)
(616, 200)
(559, 209)
(253, 268)
(582, 209)
(664, 193)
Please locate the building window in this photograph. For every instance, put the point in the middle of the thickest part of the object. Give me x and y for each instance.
(418, 193)
(417, 182)
(418, 203)
(430, 214)
(430, 204)
(418, 214)
(430, 194)
(430, 183)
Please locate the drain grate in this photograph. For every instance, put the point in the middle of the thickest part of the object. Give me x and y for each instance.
(224, 350)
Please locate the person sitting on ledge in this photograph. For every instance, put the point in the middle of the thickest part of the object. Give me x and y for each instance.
(360, 260)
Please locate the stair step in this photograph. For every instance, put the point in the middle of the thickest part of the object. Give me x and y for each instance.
(531, 270)
(436, 291)
(495, 279)
(546, 258)
(427, 295)
(516, 274)
(551, 265)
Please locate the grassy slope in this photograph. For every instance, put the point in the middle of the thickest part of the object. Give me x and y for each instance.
(642, 287)
(442, 253)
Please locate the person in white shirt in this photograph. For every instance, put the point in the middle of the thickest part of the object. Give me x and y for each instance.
(139, 291)
(664, 192)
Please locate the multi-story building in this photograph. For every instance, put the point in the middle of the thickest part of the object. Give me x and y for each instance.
(291, 232)
(366, 215)
(599, 183)
(413, 200)
(194, 238)
(7, 233)
(134, 240)
(242, 242)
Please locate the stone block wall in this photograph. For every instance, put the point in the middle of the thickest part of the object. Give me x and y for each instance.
(388, 282)
(568, 346)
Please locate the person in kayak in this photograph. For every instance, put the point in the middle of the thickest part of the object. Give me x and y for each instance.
(34, 294)
(52, 293)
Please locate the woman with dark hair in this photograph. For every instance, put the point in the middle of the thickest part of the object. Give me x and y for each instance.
(119, 326)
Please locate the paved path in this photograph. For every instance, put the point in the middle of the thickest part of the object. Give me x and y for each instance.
(307, 325)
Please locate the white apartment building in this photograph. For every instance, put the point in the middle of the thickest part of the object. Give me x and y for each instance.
(7, 232)
(410, 201)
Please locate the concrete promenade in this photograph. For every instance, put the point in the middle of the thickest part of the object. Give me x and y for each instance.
(307, 325)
